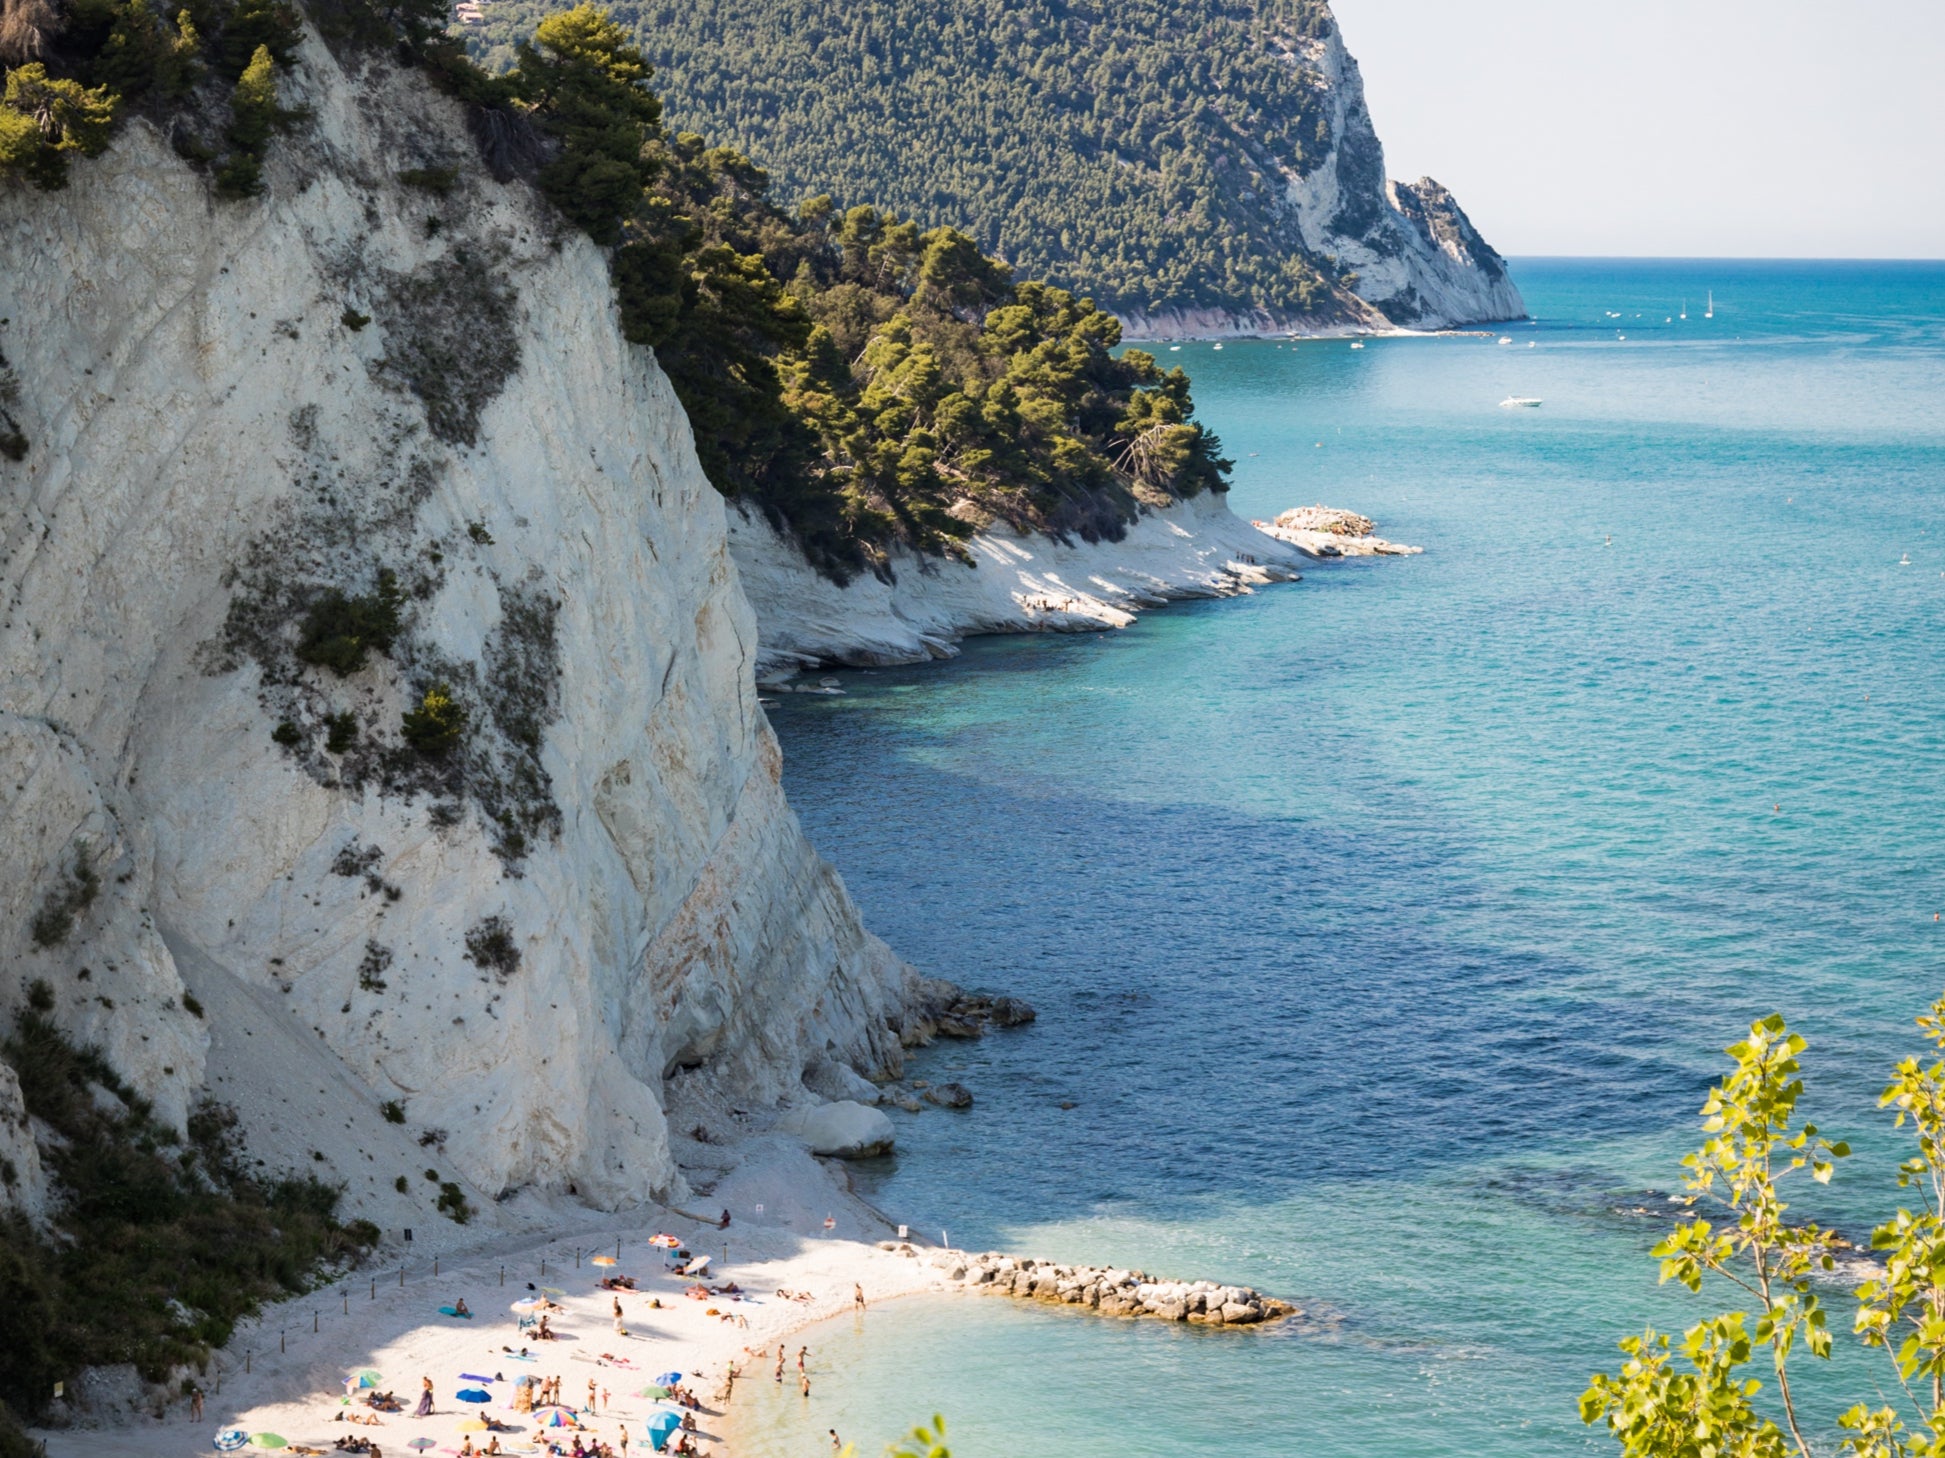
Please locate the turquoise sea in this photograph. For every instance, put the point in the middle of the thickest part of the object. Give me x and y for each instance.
(1385, 927)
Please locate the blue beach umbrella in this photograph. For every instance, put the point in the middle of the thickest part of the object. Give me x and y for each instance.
(228, 1440)
(661, 1426)
(473, 1394)
(475, 1377)
(668, 1379)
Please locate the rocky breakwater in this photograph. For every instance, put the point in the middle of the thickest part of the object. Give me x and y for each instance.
(1112, 1291)
(1325, 531)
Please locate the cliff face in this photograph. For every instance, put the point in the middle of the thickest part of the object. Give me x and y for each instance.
(1416, 259)
(1022, 583)
(227, 863)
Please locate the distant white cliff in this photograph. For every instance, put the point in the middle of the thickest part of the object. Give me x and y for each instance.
(1417, 259)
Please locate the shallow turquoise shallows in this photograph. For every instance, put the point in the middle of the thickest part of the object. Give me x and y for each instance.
(1384, 928)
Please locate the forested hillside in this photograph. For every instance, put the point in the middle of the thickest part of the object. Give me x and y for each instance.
(1148, 153)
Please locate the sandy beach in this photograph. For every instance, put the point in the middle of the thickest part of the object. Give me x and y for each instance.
(369, 1319)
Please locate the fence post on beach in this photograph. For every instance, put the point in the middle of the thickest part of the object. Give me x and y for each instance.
(280, 1341)
(374, 1288)
(401, 1278)
(313, 1321)
(246, 1362)
(617, 1247)
(347, 1301)
(503, 1275)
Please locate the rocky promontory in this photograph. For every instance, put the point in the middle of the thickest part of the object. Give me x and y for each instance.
(1326, 531)
(1109, 1290)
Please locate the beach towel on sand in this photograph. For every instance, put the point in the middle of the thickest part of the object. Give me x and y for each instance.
(454, 1311)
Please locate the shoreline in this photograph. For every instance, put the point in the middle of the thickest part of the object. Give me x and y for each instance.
(398, 1330)
(1024, 583)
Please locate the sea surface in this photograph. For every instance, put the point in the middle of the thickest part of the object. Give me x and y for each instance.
(1385, 928)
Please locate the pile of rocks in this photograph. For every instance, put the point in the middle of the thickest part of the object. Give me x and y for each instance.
(968, 1015)
(1114, 1292)
(1325, 531)
(1329, 519)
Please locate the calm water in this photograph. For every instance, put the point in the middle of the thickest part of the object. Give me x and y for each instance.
(1384, 928)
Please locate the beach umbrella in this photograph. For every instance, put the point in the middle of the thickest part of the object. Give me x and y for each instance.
(555, 1416)
(363, 1377)
(476, 1377)
(697, 1267)
(527, 1307)
(228, 1440)
(268, 1440)
(667, 1242)
(421, 1444)
(475, 1425)
(661, 1425)
(604, 1260)
(669, 1379)
(657, 1392)
(473, 1394)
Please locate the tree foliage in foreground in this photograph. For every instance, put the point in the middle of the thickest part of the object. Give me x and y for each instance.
(1703, 1399)
(1137, 151)
(861, 381)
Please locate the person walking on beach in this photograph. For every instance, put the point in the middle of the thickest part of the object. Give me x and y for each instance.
(620, 1330)
(425, 1397)
(779, 1361)
(591, 1407)
(195, 1404)
(857, 1295)
(802, 1352)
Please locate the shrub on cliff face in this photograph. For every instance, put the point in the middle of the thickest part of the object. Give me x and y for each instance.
(71, 895)
(435, 726)
(340, 631)
(490, 946)
(43, 119)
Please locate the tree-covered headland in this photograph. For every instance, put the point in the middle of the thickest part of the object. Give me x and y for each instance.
(1134, 150)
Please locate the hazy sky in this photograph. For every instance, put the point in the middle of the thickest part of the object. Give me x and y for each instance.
(1752, 128)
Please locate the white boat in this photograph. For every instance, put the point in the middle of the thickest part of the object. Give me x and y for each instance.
(1519, 402)
(1175, 349)
(1505, 339)
(1905, 560)
(1357, 344)
(1684, 308)
(1711, 310)
(1218, 346)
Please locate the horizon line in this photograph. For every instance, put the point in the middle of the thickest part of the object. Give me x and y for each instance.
(1714, 258)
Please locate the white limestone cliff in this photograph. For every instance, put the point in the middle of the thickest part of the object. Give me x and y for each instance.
(1019, 583)
(232, 407)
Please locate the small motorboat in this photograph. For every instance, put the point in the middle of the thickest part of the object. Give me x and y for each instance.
(1520, 402)
(1357, 344)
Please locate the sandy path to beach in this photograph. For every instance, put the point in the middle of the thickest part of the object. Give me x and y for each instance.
(298, 1393)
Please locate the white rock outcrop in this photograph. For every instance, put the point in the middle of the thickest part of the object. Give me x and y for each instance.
(1022, 583)
(1418, 260)
(232, 408)
(841, 1130)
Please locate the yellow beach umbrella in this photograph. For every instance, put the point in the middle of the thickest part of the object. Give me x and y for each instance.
(604, 1260)
(476, 1425)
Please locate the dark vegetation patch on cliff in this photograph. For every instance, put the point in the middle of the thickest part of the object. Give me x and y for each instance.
(1133, 150)
(158, 1244)
(449, 339)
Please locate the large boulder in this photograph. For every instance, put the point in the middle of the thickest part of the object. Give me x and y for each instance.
(829, 1079)
(843, 1130)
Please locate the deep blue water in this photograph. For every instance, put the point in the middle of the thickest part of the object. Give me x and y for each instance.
(1385, 927)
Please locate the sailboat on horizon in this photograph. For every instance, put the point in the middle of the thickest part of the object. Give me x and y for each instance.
(1684, 308)
(1711, 313)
